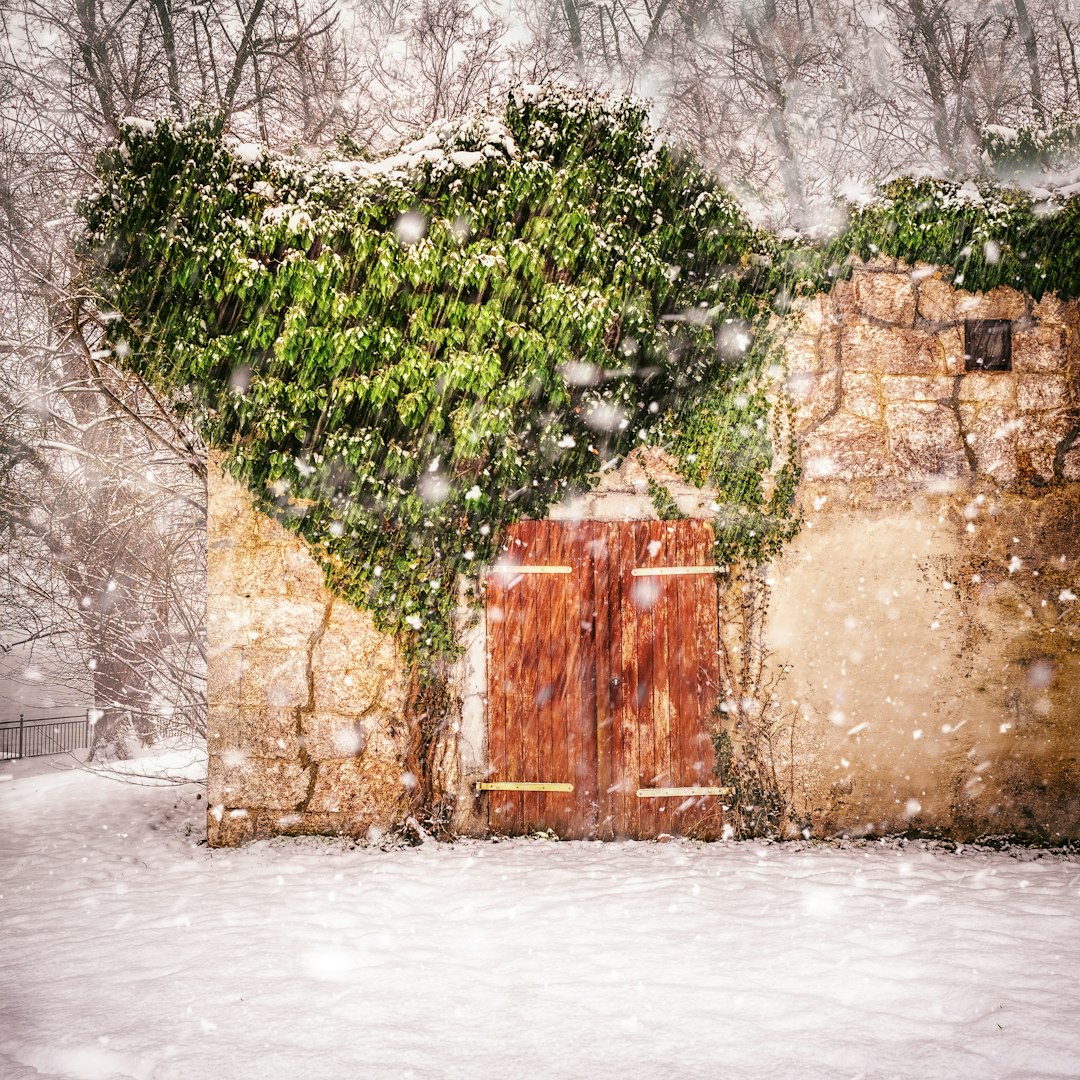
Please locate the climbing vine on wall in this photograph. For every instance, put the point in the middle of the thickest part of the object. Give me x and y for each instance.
(982, 233)
(402, 357)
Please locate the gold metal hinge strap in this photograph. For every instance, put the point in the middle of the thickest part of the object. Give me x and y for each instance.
(679, 792)
(675, 571)
(519, 785)
(529, 570)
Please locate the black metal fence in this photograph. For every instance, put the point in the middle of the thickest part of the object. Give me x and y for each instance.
(24, 738)
(41, 735)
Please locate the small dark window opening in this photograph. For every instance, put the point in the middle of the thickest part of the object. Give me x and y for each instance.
(988, 344)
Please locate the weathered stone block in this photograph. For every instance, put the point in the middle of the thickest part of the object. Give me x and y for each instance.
(998, 387)
(885, 296)
(991, 434)
(1052, 309)
(262, 732)
(226, 828)
(999, 303)
(810, 313)
(352, 787)
(275, 677)
(352, 692)
(333, 735)
(246, 568)
(1037, 393)
(802, 355)
(279, 622)
(302, 576)
(225, 670)
(815, 396)
(862, 395)
(239, 780)
(936, 301)
(1043, 431)
(228, 618)
(839, 304)
(890, 351)
(350, 642)
(307, 824)
(845, 448)
(924, 440)
(1039, 462)
(916, 388)
(951, 343)
(1040, 350)
(228, 503)
(1071, 470)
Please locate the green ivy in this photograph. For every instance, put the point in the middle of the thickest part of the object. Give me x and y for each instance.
(402, 359)
(401, 365)
(1018, 151)
(667, 509)
(982, 234)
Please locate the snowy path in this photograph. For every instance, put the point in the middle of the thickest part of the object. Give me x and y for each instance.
(128, 950)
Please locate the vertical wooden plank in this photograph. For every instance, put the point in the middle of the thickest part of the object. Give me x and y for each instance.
(676, 683)
(604, 672)
(659, 554)
(646, 592)
(551, 684)
(668, 721)
(623, 645)
(538, 628)
(513, 677)
(684, 749)
(628, 627)
(515, 688)
(528, 676)
(521, 674)
(582, 718)
(707, 672)
(567, 630)
(675, 817)
(712, 656)
(495, 610)
(593, 602)
(695, 592)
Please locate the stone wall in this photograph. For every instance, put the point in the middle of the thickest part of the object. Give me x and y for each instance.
(622, 493)
(923, 636)
(920, 637)
(306, 729)
(877, 375)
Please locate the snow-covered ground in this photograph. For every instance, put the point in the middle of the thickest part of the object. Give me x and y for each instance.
(128, 949)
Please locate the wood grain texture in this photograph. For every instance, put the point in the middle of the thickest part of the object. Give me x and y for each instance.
(603, 680)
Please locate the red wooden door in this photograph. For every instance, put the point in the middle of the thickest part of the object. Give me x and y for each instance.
(603, 679)
(542, 680)
(663, 683)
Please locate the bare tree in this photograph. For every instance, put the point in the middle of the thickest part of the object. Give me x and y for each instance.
(104, 524)
(103, 501)
(787, 99)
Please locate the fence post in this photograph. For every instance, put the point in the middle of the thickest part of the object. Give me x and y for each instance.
(20, 735)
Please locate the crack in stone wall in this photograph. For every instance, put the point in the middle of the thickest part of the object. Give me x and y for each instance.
(307, 730)
(966, 437)
(308, 709)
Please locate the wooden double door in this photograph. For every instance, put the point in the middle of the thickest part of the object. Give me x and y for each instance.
(602, 676)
